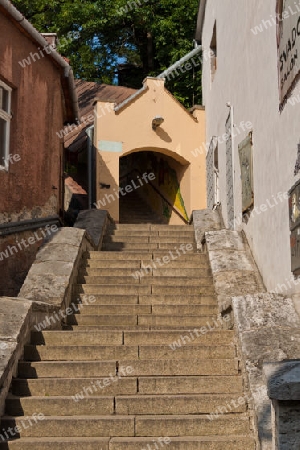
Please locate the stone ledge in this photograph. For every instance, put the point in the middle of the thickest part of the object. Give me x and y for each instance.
(17, 318)
(95, 222)
(268, 329)
(233, 268)
(56, 267)
(283, 380)
(205, 220)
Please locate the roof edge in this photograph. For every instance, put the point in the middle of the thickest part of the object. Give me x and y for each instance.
(200, 21)
(131, 98)
(36, 37)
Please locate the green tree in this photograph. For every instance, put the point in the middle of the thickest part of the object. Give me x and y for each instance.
(105, 39)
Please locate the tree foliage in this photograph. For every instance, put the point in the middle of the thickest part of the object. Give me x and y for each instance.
(146, 36)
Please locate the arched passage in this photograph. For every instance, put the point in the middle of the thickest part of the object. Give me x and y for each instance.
(160, 187)
(129, 138)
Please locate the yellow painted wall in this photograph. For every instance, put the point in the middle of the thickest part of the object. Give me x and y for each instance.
(129, 129)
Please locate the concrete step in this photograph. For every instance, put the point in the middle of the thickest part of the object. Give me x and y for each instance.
(134, 239)
(109, 300)
(155, 280)
(49, 387)
(187, 272)
(187, 352)
(62, 338)
(150, 269)
(95, 403)
(240, 442)
(119, 352)
(111, 289)
(41, 387)
(140, 309)
(172, 404)
(214, 384)
(141, 320)
(184, 310)
(176, 233)
(132, 265)
(82, 353)
(103, 320)
(145, 256)
(73, 426)
(193, 425)
(165, 300)
(174, 320)
(182, 290)
(143, 289)
(220, 337)
(78, 369)
(101, 310)
(61, 443)
(109, 337)
(150, 227)
(92, 404)
(150, 247)
(181, 367)
(182, 329)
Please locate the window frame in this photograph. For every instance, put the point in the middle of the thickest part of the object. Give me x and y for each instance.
(213, 53)
(6, 116)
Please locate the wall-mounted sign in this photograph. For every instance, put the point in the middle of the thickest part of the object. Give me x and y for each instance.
(110, 146)
(294, 214)
(288, 37)
(245, 155)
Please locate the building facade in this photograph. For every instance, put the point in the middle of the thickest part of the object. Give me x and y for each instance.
(150, 133)
(37, 97)
(251, 65)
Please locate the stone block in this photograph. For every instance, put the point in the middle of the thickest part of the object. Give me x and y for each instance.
(283, 380)
(224, 240)
(264, 310)
(229, 260)
(95, 222)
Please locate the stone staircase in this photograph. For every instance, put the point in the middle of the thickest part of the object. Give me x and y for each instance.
(134, 210)
(142, 365)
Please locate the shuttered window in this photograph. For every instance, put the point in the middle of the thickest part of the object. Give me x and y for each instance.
(5, 118)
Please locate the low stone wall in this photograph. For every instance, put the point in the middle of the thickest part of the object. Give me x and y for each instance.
(47, 290)
(55, 269)
(284, 390)
(15, 263)
(95, 222)
(267, 325)
(17, 318)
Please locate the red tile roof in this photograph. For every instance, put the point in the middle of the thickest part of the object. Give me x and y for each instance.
(87, 92)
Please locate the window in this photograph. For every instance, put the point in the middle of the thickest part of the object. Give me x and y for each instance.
(213, 53)
(212, 173)
(246, 162)
(216, 174)
(5, 117)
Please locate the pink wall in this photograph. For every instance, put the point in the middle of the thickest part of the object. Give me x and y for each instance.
(37, 106)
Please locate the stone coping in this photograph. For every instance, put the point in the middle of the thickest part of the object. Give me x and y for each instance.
(266, 325)
(283, 380)
(48, 289)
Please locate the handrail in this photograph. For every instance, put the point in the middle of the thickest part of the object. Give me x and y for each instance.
(160, 194)
(8, 228)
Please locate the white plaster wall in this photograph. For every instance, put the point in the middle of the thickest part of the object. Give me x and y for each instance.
(247, 77)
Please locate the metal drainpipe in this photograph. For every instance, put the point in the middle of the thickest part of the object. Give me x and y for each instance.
(230, 106)
(181, 61)
(90, 133)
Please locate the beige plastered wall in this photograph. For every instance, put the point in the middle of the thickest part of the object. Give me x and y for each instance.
(129, 129)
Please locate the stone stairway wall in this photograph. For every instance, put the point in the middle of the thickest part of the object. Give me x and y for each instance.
(143, 363)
